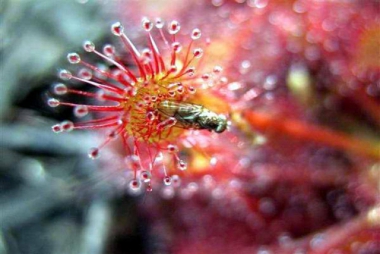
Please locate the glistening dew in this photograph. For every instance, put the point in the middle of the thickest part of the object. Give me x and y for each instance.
(149, 105)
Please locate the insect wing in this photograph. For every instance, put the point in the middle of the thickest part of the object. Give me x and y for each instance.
(185, 113)
(189, 111)
(168, 108)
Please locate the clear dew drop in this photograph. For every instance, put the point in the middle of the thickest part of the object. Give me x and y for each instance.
(191, 90)
(171, 121)
(150, 116)
(112, 135)
(217, 70)
(80, 110)
(67, 126)
(196, 34)
(223, 80)
(52, 102)
(73, 58)
(174, 27)
(56, 128)
(60, 89)
(205, 76)
(190, 71)
(117, 29)
(121, 121)
(159, 23)
(147, 24)
(172, 148)
(167, 180)
(134, 185)
(94, 153)
(133, 91)
(213, 161)
(146, 99)
(234, 86)
(270, 82)
(177, 47)
(146, 56)
(182, 165)
(244, 66)
(88, 46)
(65, 74)
(180, 89)
(139, 105)
(145, 176)
(85, 74)
(198, 52)
(173, 68)
(146, 53)
(109, 50)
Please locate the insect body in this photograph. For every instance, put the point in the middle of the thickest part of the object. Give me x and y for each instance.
(193, 116)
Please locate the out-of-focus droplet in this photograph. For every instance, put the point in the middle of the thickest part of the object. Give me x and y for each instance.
(167, 180)
(94, 153)
(89, 46)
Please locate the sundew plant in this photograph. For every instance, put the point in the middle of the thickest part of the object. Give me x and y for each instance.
(148, 106)
(249, 126)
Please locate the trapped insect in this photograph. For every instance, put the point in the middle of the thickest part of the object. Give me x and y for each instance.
(144, 104)
(194, 116)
